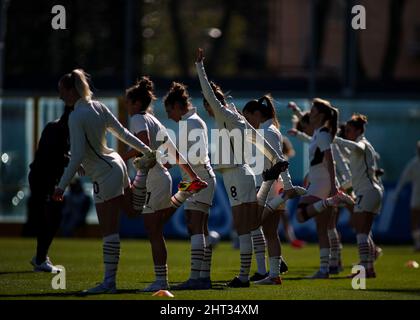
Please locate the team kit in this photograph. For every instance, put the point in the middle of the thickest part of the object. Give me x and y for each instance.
(251, 157)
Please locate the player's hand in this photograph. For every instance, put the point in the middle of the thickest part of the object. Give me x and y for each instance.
(200, 55)
(292, 132)
(293, 106)
(58, 194)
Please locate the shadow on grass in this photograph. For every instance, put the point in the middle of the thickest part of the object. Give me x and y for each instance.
(15, 272)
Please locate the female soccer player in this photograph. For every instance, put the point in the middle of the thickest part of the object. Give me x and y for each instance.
(88, 124)
(322, 190)
(238, 178)
(194, 136)
(159, 206)
(304, 131)
(411, 174)
(262, 115)
(366, 186)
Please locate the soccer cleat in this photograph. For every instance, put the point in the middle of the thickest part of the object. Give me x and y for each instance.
(335, 269)
(370, 273)
(156, 286)
(340, 200)
(146, 161)
(270, 281)
(205, 283)
(283, 266)
(237, 283)
(100, 289)
(258, 276)
(378, 252)
(45, 266)
(192, 186)
(190, 284)
(274, 172)
(319, 275)
(297, 244)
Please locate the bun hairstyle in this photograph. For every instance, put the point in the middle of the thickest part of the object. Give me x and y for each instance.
(177, 93)
(142, 91)
(330, 114)
(264, 105)
(78, 80)
(358, 121)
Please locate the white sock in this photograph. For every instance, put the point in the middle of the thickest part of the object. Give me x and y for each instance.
(335, 247)
(179, 198)
(197, 255)
(263, 192)
(291, 233)
(416, 238)
(161, 273)
(206, 265)
(275, 266)
(324, 254)
(276, 202)
(258, 242)
(111, 255)
(372, 251)
(245, 249)
(139, 190)
(320, 205)
(364, 251)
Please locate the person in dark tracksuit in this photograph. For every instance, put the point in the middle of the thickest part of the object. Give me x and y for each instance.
(44, 214)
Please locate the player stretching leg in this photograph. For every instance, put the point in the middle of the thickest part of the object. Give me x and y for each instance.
(159, 205)
(88, 124)
(366, 186)
(197, 208)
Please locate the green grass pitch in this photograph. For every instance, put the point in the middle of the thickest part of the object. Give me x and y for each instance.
(83, 262)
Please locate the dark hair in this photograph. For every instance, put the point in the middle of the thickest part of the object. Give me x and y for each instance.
(358, 121)
(142, 91)
(264, 105)
(302, 121)
(177, 93)
(330, 114)
(218, 93)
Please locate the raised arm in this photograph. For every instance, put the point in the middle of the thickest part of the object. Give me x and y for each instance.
(217, 107)
(114, 126)
(300, 135)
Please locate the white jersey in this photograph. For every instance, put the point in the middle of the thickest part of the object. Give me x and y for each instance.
(228, 117)
(411, 174)
(196, 140)
(148, 122)
(362, 163)
(320, 142)
(88, 124)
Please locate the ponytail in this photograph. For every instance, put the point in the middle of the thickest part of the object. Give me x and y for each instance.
(142, 91)
(265, 106)
(81, 84)
(330, 114)
(268, 109)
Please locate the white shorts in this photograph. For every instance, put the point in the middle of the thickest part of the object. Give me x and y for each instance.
(240, 185)
(319, 183)
(112, 183)
(203, 200)
(276, 188)
(368, 201)
(159, 189)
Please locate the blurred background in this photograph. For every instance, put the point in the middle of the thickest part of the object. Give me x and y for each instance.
(294, 49)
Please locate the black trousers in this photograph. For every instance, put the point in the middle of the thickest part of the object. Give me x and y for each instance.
(44, 215)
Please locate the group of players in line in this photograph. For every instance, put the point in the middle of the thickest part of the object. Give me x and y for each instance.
(343, 172)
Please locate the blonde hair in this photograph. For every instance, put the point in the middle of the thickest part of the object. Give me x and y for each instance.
(81, 83)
